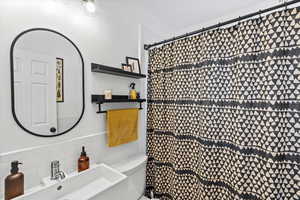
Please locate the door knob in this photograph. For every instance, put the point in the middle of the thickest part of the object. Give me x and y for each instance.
(53, 130)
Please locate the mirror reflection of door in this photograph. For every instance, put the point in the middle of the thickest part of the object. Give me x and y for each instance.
(35, 90)
(37, 75)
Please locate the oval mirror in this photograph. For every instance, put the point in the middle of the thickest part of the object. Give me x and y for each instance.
(47, 82)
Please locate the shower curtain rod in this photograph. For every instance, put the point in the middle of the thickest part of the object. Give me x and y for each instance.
(148, 46)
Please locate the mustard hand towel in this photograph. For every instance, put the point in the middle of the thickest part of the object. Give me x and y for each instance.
(122, 126)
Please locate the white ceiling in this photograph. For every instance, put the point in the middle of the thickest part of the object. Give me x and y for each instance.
(177, 15)
(168, 18)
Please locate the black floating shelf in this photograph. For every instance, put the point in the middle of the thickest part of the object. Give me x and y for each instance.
(115, 71)
(99, 99)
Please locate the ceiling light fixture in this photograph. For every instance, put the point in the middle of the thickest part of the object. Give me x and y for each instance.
(90, 5)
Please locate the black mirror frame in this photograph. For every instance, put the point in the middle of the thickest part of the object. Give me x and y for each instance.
(12, 81)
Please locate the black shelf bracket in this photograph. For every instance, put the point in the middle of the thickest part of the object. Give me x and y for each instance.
(141, 106)
(100, 111)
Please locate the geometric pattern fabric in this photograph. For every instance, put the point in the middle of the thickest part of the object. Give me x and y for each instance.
(224, 113)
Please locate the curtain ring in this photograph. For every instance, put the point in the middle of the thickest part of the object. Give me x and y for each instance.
(239, 22)
(286, 4)
(260, 14)
(260, 17)
(236, 26)
(219, 27)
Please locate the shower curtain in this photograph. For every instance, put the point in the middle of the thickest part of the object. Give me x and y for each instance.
(224, 113)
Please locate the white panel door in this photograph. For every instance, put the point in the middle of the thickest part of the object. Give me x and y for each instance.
(35, 91)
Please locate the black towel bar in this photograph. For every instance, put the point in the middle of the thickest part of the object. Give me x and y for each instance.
(102, 111)
(100, 99)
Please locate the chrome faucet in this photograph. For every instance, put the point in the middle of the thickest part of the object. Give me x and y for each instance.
(56, 173)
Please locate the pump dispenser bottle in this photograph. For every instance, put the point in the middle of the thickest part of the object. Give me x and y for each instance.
(132, 92)
(83, 161)
(14, 183)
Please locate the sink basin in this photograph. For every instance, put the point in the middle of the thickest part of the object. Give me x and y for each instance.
(97, 183)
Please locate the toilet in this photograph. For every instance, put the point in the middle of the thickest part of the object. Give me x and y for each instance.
(135, 169)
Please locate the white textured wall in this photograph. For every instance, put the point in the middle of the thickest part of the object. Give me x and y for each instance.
(106, 38)
(118, 29)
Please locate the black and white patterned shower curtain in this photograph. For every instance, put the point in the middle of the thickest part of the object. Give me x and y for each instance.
(224, 113)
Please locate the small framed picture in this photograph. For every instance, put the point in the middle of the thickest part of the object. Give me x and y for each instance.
(126, 67)
(135, 64)
(59, 80)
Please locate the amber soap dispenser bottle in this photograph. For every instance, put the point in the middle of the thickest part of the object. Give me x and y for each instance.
(83, 161)
(132, 92)
(14, 183)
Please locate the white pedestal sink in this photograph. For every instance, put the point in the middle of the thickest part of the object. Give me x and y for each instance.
(98, 183)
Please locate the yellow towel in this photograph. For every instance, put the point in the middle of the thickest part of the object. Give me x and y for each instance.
(122, 126)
